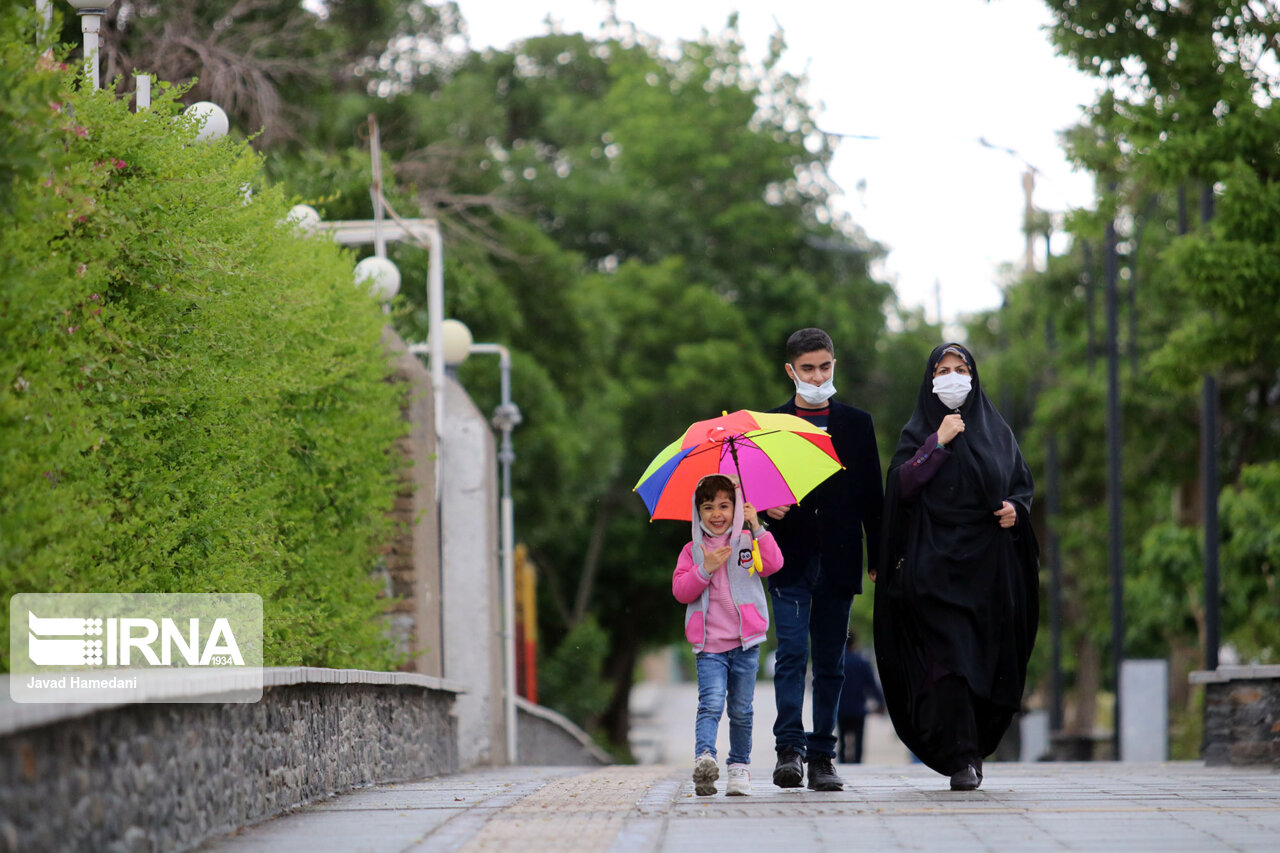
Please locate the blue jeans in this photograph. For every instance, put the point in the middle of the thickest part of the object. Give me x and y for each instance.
(731, 673)
(809, 621)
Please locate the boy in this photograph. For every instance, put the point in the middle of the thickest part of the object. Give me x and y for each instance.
(821, 543)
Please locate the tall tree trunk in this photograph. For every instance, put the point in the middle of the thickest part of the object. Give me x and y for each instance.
(595, 549)
(1088, 680)
(1195, 600)
(550, 571)
(1183, 660)
(620, 669)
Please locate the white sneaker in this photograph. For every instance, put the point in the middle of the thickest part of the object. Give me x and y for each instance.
(705, 774)
(739, 781)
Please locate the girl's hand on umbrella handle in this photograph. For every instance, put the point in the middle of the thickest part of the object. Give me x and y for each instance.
(777, 512)
(750, 516)
(716, 559)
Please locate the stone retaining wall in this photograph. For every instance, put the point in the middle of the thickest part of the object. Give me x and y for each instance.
(163, 777)
(1241, 715)
(549, 739)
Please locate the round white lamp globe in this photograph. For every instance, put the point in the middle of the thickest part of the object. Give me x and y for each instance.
(303, 217)
(456, 341)
(210, 118)
(380, 276)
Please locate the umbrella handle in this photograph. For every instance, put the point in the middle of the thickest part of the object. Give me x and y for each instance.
(732, 441)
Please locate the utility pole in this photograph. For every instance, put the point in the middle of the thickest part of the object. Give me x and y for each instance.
(1114, 488)
(1209, 454)
(1053, 507)
(1051, 472)
(1029, 187)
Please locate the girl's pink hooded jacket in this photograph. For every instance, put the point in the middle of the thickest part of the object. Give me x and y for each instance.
(711, 622)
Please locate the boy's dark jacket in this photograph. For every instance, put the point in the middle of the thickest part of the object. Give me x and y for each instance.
(848, 502)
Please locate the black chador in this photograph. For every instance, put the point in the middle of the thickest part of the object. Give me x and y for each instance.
(957, 595)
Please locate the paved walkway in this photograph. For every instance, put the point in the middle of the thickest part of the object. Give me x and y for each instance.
(1021, 807)
(662, 718)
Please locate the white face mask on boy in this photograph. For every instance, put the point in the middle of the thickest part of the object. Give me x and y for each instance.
(952, 389)
(814, 395)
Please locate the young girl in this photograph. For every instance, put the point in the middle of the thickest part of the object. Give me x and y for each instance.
(726, 620)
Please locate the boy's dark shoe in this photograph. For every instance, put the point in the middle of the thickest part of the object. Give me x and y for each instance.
(790, 770)
(822, 774)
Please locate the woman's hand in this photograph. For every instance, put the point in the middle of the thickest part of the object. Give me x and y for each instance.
(871, 573)
(1006, 514)
(749, 515)
(716, 559)
(777, 512)
(951, 426)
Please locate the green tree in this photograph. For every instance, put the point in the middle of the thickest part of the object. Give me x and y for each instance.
(1189, 88)
(193, 398)
(1183, 111)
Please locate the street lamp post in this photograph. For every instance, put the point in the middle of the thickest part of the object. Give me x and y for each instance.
(45, 9)
(435, 317)
(506, 418)
(90, 12)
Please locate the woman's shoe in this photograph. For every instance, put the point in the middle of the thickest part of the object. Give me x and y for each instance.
(967, 779)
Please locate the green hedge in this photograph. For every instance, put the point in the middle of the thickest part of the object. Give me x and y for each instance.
(193, 398)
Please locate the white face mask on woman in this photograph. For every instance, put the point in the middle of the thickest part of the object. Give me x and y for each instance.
(952, 389)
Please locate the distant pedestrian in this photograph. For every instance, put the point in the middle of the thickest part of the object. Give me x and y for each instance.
(860, 689)
(957, 591)
(726, 620)
(821, 541)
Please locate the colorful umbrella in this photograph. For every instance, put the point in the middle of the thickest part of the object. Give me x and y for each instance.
(777, 458)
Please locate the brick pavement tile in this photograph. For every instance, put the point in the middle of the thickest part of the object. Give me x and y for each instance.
(584, 812)
(308, 832)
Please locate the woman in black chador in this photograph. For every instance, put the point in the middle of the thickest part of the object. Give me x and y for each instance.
(957, 588)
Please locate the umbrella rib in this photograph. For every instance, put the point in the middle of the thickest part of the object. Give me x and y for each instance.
(720, 442)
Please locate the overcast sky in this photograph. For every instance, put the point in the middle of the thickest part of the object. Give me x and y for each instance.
(929, 79)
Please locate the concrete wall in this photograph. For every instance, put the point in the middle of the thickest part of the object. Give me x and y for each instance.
(1241, 715)
(1144, 710)
(166, 776)
(470, 589)
(549, 739)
